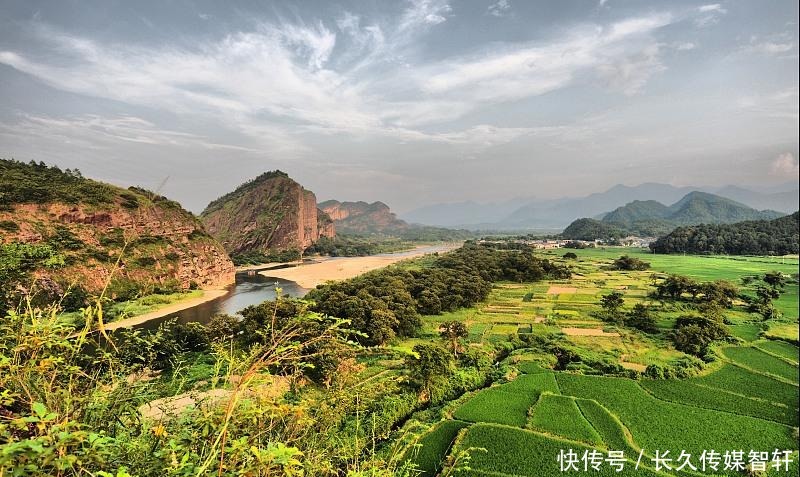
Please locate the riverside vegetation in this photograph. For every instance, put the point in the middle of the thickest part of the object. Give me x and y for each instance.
(483, 361)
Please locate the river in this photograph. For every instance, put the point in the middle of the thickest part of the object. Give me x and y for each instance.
(252, 288)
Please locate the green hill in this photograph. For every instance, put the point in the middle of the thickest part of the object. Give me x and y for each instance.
(652, 218)
(60, 231)
(756, 237)
(590, 229)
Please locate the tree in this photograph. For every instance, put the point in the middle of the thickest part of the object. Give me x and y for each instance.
(641, 318)
(431, 363)
(693, 334)
(775, 280)
(674, 286)
(571, 256)
(611, 303)
(626, 262)
(381, 327)
(453, 332)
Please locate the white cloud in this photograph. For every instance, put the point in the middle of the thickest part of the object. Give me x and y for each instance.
(499, 8)
(98, 132)
(630, 74)
(285, 79)
(685, 46)
(782, 104)
(773, 45)
(714, 7)
(709, 14)
(785, 165)
(623, 53)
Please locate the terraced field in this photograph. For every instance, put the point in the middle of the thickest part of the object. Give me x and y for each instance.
(750, 400)
(583, 412)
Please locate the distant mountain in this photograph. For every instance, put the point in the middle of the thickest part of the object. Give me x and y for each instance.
(467, 213)
(654, 218)
(781, 200)
(362, 217)
(269, 214)
(522, 213)
(561, 212)
(757, 237)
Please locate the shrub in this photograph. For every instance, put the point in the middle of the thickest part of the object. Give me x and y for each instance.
(9, 226)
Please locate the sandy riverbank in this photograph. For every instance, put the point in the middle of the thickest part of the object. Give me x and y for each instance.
(313, 274)
(208, 295)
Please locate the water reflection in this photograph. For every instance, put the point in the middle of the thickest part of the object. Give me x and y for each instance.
(251, 288)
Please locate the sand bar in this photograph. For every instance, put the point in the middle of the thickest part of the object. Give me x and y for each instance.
(341, 268)
(181, 305)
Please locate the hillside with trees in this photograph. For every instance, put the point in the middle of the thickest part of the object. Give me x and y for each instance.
(63, 235)
(591, 229)
(652, 218)
(755, 237)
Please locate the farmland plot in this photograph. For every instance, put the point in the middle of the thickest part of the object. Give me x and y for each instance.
(526, 453)
(779, 348)
(498, 406)
(657, 424)
(434, 445)
(559, 415)
(760, 361)
(741, 381)
(688, 393)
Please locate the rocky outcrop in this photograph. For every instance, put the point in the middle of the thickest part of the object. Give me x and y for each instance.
(362, 217)
(271, 213)
(155, 245)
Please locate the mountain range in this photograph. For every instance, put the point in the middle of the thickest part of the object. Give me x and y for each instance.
(652, 218)
(528, 213)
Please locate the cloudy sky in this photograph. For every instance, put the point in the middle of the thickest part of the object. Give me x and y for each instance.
(409, 102)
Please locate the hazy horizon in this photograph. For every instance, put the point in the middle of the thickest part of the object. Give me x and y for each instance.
(410, 103)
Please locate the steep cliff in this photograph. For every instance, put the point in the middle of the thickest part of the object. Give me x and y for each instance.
(362, 217)
(68, 230)
(270, 213)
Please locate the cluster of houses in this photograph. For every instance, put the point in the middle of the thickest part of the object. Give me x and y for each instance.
(546, 244)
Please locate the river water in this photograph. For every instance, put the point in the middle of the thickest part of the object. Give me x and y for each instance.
(252, 288)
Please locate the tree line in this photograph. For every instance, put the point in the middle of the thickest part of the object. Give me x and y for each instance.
(387, 303)
(755, 237)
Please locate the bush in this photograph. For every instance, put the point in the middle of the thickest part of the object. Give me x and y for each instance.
(9, 226)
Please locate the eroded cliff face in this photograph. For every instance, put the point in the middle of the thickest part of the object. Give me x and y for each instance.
(153, 245)
(268, 214)
(362, 217)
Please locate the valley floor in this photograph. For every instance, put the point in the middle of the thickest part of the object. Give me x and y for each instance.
(342, 268)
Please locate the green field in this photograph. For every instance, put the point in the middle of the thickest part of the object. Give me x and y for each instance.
(432, 447)
(513, 451)
(657, 424)
(559, 415)
(759, 361)
(747, 400)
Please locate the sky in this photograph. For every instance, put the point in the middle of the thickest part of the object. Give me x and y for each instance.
(410, 102)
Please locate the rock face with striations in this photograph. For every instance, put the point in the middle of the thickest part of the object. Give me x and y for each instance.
(362, 217)
(88, 233)
(270, 213)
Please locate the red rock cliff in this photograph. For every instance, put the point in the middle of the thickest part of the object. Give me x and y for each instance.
(268, 214)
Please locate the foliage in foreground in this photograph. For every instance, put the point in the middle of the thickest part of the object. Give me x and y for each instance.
(70, 406)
